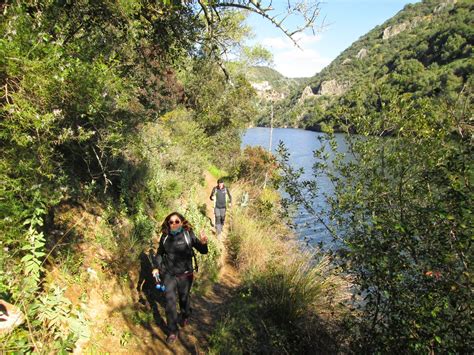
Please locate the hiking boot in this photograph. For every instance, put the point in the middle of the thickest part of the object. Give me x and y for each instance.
(171, 338)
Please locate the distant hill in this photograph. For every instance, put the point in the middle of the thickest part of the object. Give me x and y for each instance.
(275, 78)
(271, 86)
(424, 51)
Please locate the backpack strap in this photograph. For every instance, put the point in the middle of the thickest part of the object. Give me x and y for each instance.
(214, 193)
(187, 237)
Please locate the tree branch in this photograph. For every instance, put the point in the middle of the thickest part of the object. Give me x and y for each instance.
(309, 13)
(106, 179)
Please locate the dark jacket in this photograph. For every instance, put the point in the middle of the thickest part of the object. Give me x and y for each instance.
(220, 196)
(175, 256)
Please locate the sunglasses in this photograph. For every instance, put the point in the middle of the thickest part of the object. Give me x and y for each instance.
(174, 221)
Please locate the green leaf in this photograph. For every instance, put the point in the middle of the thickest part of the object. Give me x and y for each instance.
(27, 258)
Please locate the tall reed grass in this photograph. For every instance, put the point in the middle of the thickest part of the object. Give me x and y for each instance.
(292, 300)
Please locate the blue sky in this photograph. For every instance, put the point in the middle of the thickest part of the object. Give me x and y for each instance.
(345, 21)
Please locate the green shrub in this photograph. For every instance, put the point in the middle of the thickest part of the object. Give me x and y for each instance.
(407, 227)
(290, 300)
(216, 172)
(256, 166)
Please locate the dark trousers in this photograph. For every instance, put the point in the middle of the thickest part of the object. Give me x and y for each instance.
(219, 214)
(177, 285)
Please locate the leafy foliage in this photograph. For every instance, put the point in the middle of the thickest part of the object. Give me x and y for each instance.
(60, 321)
(90, 112)
(402, 209)
(256, 166)
(221, 108)
(31, 262)
(408, 228)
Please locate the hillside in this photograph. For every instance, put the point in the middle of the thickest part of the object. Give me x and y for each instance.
(271, 86)
(425, 51)
(275, 79)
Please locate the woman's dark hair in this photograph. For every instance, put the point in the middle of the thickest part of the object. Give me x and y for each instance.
(165, 226)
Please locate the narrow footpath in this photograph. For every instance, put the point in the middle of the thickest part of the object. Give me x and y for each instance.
(208, 310)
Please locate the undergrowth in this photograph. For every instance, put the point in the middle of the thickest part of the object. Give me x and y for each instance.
(291, 300)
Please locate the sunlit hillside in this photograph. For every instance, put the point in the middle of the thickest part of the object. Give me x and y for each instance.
(425, 51)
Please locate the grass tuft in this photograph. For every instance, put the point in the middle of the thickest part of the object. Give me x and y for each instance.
(292, 300)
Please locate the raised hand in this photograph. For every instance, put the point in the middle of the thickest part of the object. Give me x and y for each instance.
(203, 237)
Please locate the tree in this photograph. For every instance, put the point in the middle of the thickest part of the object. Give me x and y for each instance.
(402, 217)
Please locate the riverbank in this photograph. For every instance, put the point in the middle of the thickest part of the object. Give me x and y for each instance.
(291, 300)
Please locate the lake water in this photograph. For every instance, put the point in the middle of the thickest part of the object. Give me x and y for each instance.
(300, 144)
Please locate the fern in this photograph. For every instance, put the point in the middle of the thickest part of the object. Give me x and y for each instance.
(31, 262)
(57, 315)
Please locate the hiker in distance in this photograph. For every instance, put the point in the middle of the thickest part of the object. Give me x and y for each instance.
(173, 266)
(219, 196)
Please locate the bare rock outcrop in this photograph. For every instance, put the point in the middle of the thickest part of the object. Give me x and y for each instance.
(448, 4)
(307, 92)
(362, 53)
(265, 91)
(10, 317)
(332, 88)
(394, 30)
(261, 86)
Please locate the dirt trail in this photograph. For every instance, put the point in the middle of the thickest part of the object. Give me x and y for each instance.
(208, 310)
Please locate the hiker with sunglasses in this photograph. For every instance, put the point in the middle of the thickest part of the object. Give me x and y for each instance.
(174, 263)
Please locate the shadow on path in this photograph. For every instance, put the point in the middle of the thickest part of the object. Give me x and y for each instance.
(145, 319)
(207, 310)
